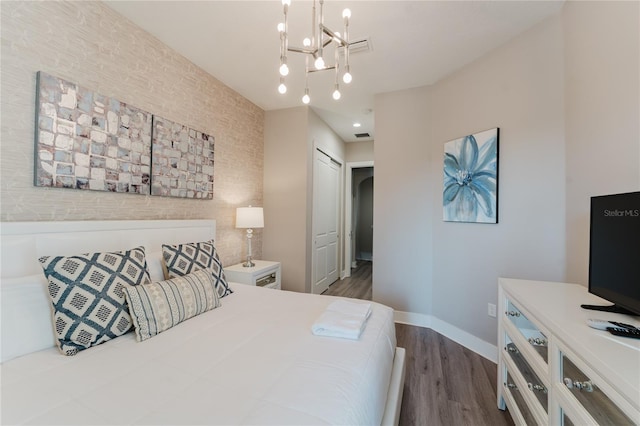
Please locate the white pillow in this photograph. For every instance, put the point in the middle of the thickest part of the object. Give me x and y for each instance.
(26, 316)
(155, 265)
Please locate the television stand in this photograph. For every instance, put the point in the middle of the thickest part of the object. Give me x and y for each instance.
(553, 369)
(609, 308)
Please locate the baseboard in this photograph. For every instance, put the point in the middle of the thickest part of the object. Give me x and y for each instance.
(365, 255)
(469, 341)
(412, 318)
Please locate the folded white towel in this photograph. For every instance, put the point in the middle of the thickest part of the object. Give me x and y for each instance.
(342, 319)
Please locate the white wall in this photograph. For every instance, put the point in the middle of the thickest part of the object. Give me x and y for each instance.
(290, 137)
(552, 152)
(359, 151)
(325, 138)
(285, 194)
(402, 205)
(602, 88)
(518, 88)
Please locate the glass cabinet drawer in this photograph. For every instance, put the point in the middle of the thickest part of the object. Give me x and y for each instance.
(533, 335)
(512, 389)
(535, 384)
(596, 402)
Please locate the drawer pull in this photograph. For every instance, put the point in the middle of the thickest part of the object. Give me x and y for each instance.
(538, 388)
(537, 341)
(266, 280)
(586, 386)
(512, 349)
(513, 313)
(511, 386)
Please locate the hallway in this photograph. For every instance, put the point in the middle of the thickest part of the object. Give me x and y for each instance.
(357, 286)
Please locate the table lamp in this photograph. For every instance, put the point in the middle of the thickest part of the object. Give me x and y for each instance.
(249, 218)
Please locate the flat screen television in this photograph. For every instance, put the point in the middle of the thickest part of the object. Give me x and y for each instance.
(614, 252)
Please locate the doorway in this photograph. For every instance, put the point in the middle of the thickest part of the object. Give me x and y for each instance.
(363, 215)
(358, 215)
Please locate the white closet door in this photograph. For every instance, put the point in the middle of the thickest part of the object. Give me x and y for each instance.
(326, 210)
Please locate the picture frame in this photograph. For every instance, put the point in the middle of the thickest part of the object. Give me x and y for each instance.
(470, 185)
(182, 161)
(85, 140)
(88, 141)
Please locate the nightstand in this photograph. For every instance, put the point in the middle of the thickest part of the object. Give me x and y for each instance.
(264, 274)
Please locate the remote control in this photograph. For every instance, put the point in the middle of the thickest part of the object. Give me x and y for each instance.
(634, 334)
(623, 325)
(606, 325)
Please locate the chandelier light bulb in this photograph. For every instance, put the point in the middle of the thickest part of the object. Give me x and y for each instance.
(284, 70)
(313, 49)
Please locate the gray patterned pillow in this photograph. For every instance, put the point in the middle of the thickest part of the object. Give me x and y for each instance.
(87, 294)
(183, 259)
(157, 307)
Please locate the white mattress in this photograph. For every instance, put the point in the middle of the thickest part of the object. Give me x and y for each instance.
(251, 361)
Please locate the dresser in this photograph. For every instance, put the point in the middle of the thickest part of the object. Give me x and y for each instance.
(553, 369)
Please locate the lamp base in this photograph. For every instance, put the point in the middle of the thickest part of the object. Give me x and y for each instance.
(249, 263)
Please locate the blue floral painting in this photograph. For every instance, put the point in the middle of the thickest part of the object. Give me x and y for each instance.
(470, 192)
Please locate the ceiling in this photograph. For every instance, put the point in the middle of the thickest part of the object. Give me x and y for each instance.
(412, 44)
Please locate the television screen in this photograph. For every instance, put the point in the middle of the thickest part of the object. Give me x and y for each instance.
(614, 255)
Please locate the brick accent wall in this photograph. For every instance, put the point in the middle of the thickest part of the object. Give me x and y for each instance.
(92, 45)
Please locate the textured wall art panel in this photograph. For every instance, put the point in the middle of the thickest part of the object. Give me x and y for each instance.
(85, 140)
(182, 161)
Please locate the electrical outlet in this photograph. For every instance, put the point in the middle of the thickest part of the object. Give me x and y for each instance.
(491, 310)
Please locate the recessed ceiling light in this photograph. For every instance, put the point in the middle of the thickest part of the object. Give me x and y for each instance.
(356, 124)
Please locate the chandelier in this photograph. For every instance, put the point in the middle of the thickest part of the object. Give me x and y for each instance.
(313, 47)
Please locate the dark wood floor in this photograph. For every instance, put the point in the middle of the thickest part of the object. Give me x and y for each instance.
(357, 286)
(446, 383)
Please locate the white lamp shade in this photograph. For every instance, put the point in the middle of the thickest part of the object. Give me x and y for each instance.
(249, 217)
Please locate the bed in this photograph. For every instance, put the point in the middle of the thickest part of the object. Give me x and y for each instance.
(253, 360)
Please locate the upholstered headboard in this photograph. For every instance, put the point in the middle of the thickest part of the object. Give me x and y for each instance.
(25, 308)
(21, 243)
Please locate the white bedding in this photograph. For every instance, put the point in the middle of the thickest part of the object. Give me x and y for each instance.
(254, 360)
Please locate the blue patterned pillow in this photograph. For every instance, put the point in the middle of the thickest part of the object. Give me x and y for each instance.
(183, 259)
(157, 307)
(87, 294)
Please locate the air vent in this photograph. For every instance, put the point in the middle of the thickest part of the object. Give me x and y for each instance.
(362, 135)
(360, 46)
